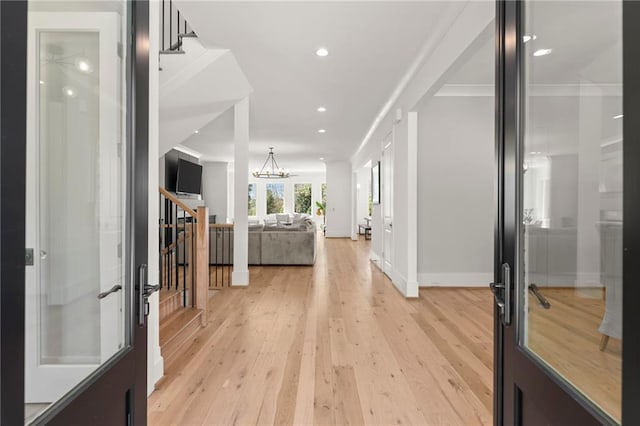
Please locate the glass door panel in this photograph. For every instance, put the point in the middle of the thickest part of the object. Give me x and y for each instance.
(571, 207)
(76, 308)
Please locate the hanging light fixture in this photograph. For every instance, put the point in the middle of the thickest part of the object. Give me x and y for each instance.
(270, 169)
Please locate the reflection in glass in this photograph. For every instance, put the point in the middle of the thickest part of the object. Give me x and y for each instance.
(572, 195)
(75, 220)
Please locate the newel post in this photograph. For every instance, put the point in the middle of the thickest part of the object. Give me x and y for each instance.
(202, 262)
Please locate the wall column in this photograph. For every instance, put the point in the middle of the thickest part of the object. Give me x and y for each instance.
(354, 206)
(240, 276)
(412, 204)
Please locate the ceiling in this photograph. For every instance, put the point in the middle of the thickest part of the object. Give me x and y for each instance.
(371, 45)
(589, 52)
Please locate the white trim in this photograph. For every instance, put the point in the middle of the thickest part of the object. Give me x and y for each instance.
(410, 291)
(588, 279)
(426, 52)
(546, 90)
(455, 279)
(155, 371)
(412, 204)
(329, 234)
(354, 205)
(375, 259)
(240, 278)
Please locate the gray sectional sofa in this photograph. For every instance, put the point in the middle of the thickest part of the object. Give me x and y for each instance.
(271, 244)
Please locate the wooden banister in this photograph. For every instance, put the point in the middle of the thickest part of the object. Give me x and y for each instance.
(221, 225)
(201, 289)
(175, 200)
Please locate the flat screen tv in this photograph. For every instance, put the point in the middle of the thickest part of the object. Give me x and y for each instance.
(189, 177)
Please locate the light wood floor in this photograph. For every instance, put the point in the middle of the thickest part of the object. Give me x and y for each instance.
(566, 336)
(334, 344)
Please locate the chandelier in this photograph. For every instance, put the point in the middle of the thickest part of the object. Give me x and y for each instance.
(270, 169)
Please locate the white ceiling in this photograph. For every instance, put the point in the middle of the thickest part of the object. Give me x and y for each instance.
(371, 45)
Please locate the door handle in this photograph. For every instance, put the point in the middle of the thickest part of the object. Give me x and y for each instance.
(113, 289)
(144, 291)
(541, 299)
(502, 294)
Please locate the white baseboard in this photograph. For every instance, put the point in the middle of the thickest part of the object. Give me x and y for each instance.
(333, 234)
(375, 258)
(240, 278)
(588, 279)
(155, 372)
(408, 290)
(455, 279)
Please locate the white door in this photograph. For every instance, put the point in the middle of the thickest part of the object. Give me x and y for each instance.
(387, 205)
(75, 199)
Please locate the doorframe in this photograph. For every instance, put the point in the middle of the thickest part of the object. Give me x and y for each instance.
(631, 206)
(389, 137)
(508, 138)
(13, 117)
(13, 137)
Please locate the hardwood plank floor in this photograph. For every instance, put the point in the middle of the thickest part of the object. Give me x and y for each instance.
(334, 344)
(566, 336)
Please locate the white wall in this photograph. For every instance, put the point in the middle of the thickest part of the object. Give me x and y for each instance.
(214, 188)
(458, 29)
(455, 191)
(155, 362)
(338, 199)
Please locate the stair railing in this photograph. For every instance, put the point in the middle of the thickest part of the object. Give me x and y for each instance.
(221, 259)
(184, 250)
(173, 28)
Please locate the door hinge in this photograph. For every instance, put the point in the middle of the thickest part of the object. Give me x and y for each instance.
(120, 149)
(120, 50)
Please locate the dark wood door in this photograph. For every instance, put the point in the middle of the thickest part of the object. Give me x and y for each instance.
(115, 389)
(566, 229)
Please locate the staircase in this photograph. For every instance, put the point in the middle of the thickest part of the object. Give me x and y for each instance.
(178, 326)
(184, 275)
(197, 83)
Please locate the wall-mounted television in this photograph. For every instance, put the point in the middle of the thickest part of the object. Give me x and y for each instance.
(189, 180)
(171, 159)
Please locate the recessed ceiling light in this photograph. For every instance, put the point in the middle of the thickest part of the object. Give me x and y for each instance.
(84, 65)
(41, 81)
(617, 117)
(321, 158)
(322, 52)
(542, 52)
(529, 38)
(322, 109)
(69, 91)
(196, 132)
(322, 131)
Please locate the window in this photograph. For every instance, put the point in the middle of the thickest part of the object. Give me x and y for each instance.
(275, 198)
(324, 193)
(302, 196)
(252, 199)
